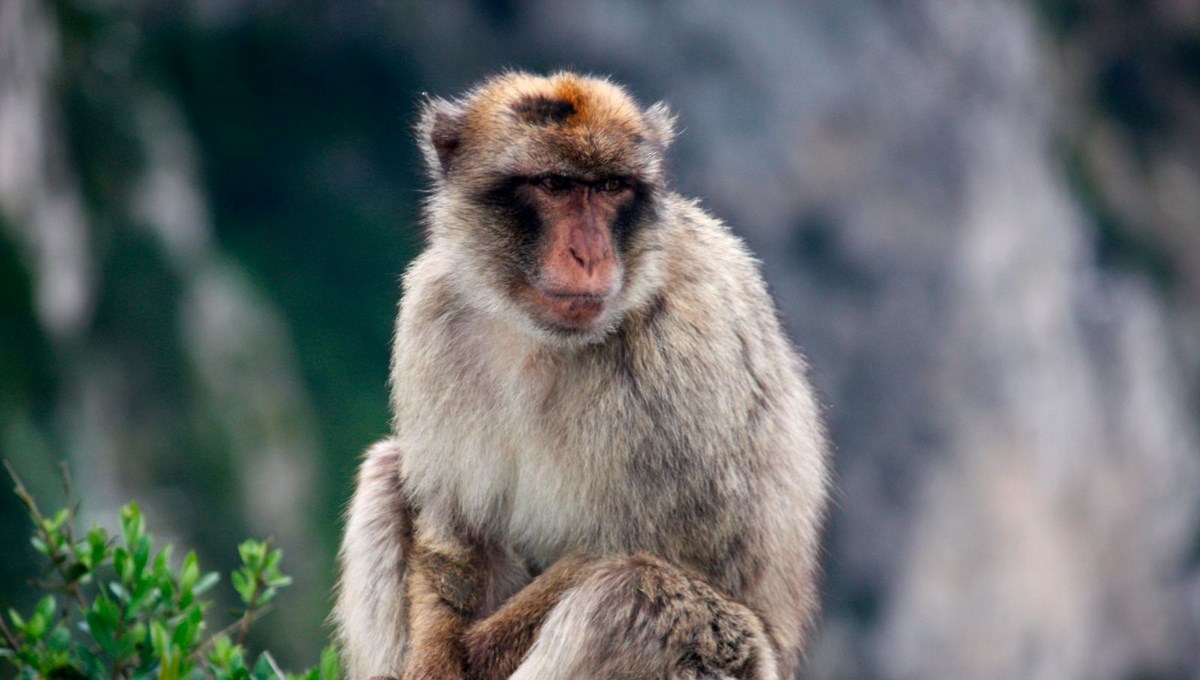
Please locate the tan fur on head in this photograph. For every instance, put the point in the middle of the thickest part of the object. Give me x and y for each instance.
(564, 120)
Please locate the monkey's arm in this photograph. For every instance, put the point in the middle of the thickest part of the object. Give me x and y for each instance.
(496, 645)
(612, 616)
(371, 611)
(444, 590)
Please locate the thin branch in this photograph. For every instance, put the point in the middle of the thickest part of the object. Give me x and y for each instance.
(69, 531)
(72, 502)
(57, 558)
(254, 615)
(10, 638)
(24, 495)
(250, 609)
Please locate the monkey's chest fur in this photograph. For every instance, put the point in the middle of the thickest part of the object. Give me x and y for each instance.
(552, 452)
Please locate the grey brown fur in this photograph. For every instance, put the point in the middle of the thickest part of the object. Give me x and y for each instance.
(642, 499)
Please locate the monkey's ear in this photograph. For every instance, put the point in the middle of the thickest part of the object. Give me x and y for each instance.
(439, 133)
(662, 124)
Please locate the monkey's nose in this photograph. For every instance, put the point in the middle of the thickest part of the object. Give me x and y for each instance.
(587, 262)
(588, 251)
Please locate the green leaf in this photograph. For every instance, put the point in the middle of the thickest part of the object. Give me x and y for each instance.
(40, 623)
(169, 668)
(162, 563)
(159, 638)
(264, 596)
(206, 582)
(252, 553)
(133, 525)
(141, 556)
(142, 591)
(228, 659)
(272, 561)
(59, 638)
(55, 523)
(93, 551)
(165, 590)
(102, 625)
(97, 540)
(109, 610)
(123, 564)
(222, 652)
(36, 627)
(243, 585)
(91, 664)
(190, 572)
(45, 607)
(330, 667)
(127, 643)
(188, 630)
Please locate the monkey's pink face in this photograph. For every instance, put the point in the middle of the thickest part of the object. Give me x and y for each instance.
(579, 272)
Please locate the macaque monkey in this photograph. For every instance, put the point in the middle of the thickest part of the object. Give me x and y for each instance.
(606, 460)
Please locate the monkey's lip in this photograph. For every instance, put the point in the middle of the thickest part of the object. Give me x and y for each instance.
(571, 310)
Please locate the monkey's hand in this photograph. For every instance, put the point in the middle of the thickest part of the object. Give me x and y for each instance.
(720, 638)
(444, 589)
(723, 647)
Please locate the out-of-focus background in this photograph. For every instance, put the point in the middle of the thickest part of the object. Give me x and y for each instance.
(981, 221)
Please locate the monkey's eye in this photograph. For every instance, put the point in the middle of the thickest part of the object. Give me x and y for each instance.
(612, 184)
(554, 183)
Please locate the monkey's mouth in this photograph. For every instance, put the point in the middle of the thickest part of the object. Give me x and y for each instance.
(567, 310)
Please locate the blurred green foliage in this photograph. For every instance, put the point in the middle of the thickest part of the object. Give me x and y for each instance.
(117, 608)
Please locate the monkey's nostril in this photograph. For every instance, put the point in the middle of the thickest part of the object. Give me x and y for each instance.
(578, 260)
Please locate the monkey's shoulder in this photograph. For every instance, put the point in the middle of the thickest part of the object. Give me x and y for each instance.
(709, 263)
(428, 293)
(713, 294)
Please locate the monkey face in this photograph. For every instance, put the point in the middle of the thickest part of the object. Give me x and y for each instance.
(549, 187)
(578, 270)
(569, 245)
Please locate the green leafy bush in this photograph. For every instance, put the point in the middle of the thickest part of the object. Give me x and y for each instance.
(116, 608)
